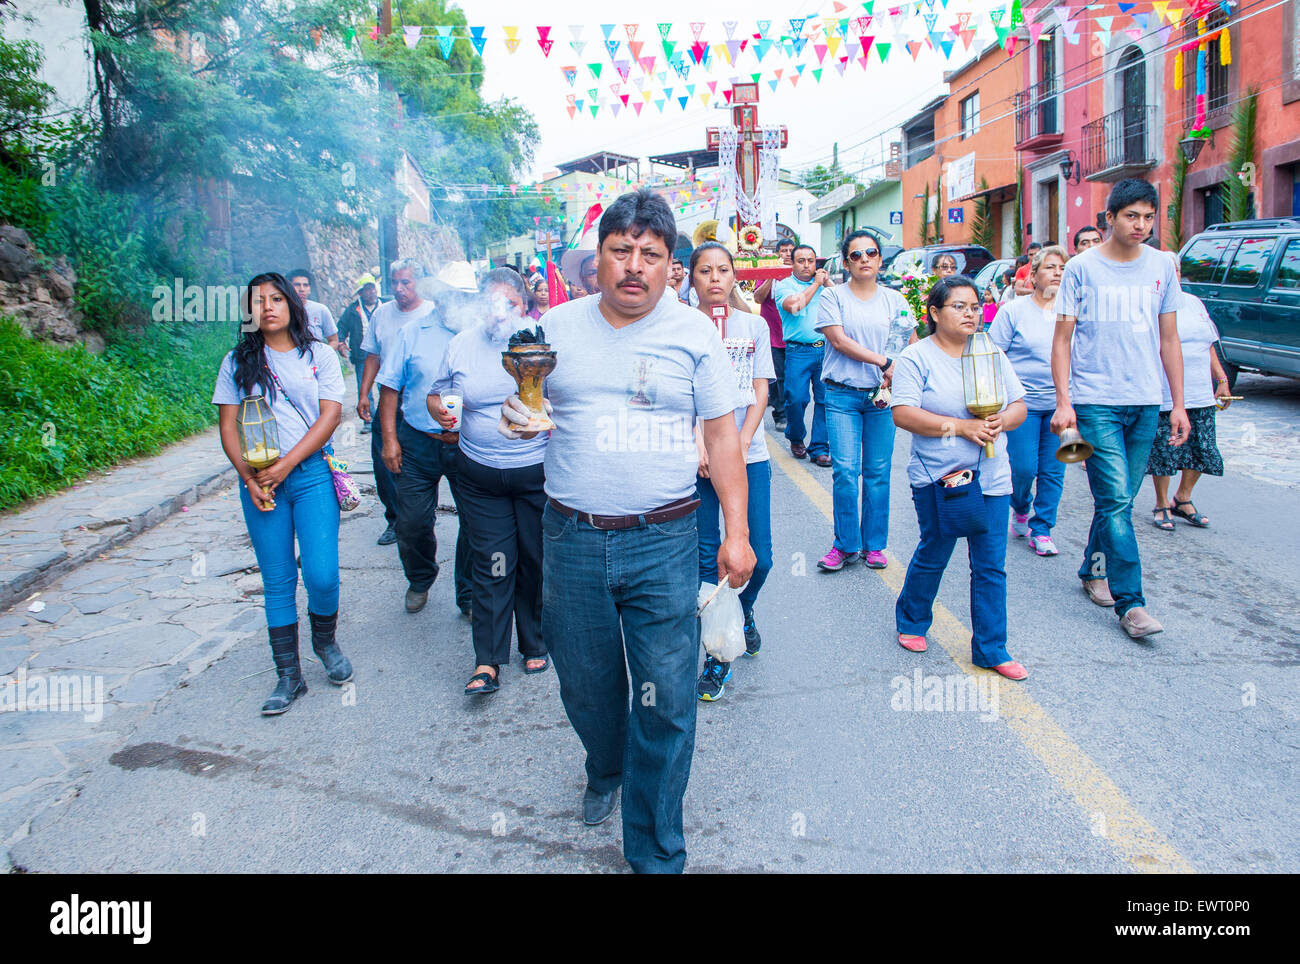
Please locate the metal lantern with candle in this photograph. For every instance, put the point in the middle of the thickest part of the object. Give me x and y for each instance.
(981, 379)
(259, 436)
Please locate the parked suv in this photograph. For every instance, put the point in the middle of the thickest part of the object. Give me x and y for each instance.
(970, 259)
(1248, 275)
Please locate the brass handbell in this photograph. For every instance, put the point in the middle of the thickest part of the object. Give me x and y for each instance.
(1074, 447)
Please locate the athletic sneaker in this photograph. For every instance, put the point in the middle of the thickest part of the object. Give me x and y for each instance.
(835, 560)
(1020, 523)
(876, 559)
(753, 641)
(1043, 545)
(713, 680)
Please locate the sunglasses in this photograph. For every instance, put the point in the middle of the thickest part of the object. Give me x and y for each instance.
(863, 253)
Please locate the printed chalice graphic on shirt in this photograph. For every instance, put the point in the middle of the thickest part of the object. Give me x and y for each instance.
(642, 396)
(529, 360)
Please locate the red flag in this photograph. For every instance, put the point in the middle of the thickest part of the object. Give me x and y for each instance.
(593, 213)
(556, 289)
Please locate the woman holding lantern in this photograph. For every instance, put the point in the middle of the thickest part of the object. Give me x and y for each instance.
(959, 471)
(500, 486)
(280, 396)
(1023, 329)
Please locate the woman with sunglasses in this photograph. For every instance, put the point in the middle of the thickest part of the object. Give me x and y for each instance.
(865, 325)
(945, 266)
(302, 382)
(947, 443)
(748, 345)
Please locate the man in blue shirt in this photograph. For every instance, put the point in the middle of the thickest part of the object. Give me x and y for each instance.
(417, 451)
(796, 301)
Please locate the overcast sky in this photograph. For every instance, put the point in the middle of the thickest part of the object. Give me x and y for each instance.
(855, 110)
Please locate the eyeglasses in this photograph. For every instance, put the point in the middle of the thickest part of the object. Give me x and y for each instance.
(862, 253)
(964, 309)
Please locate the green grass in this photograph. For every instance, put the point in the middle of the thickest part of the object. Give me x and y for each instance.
(65, 412)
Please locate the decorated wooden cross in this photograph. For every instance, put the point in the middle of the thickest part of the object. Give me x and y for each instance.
(749, 138)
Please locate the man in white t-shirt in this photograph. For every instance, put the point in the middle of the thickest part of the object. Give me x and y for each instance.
(1116, 328)
(633, 371)
(320, 320)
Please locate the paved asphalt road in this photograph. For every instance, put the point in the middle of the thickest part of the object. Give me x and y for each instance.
(1115, 756)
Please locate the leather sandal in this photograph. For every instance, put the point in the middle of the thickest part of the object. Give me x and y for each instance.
(1162, 519)
(546, 664)
(1194, 517)
(490, 683)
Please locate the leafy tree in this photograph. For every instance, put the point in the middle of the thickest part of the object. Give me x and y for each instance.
(821, 180)
(1238, 193)
(981, 228)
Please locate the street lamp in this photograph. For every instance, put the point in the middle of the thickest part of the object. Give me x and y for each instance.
(1070, 169)
(1192, 148)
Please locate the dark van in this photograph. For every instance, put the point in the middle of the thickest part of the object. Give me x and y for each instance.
(1248, 275)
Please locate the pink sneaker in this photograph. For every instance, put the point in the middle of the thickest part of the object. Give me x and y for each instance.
(1020, 524)
(1043, 545)
(876, 559)
(835, 560)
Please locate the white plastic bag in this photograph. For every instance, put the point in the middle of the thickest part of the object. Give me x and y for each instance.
(722, 624)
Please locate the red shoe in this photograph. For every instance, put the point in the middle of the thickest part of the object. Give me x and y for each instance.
(914, 644)
(1012, 670)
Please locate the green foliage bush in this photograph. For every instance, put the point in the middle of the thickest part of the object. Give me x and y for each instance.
(65, 412)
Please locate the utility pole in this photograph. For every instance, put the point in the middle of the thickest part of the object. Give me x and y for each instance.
(387, 221)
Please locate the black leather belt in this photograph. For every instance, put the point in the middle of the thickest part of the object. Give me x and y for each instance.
(807, 344)
(665, 513)
(853, 388)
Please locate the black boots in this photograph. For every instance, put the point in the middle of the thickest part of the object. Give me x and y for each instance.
(336, 664)
(284, 650)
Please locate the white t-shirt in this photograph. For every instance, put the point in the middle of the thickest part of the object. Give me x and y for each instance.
(928, 378)
(471, 368)
(748, 346)
(320, 321)
(1115, 354)
(1197, 333)
(869, 323)
(1024, 331)
(386, 322)
(309, 378)
(626, 400)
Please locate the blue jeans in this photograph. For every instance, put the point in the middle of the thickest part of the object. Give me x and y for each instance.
(622, 602)
(1121, 437)
(1032, 450)
(760, 530)
(862, 447)
(305, 506)
(803, 366)
(914, 611)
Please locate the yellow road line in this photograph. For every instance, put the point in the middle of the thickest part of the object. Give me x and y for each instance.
(1109, 811)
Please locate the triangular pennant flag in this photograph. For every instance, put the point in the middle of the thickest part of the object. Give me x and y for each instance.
(573, 110)
(570, 74)
(726, 94)
(755, 77)
(720, 50)
(594, 109)
(546, 47)
(637, 107)
(607, 29)
(914, 47)
(647, 65)
(796, 26)
(866, 49)
(820, 50)
(883, 50)
(733, 50)
(477, 39)
(833, 45)
(840, 64)
(761, 47)
(763, 27)
(624, 98)
(411, 35)
(578, 46)
(611, 46)
(663, 30)
(697, 51)
(593, 93)
(817, 72)
(595, 69)
(851, 50)
(512, 44)
(1126, 7)
(660, 104)
(730, 27)
(623, 67)
(966, 37)
(634, 46)
(445, 40)
(575, 31)
(713, 87)
(615, 88)
(683, 101)
(630, 29)
(773, 83)
(1035, 31)
(930, 20)
(945, 45)
(696, 30)
(669, 47)
(798, 46)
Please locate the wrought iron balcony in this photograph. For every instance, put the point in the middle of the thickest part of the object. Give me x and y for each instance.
(1121, 144)
(1038, 115)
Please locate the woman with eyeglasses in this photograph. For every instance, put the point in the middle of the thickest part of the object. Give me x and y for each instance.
(947, 451)
(748, 346)
(866, 325)
(1024, 329)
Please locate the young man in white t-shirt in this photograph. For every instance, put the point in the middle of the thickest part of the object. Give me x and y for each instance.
(1116, 328)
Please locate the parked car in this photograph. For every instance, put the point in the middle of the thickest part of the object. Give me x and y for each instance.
(970, 259)
(1248, 275)
(992, 272)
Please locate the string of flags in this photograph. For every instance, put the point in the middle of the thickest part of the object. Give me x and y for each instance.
(682, 195)
(631, 66)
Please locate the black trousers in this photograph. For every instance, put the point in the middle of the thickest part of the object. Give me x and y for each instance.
(385, 481)
(776, 396)
(503, 513)
(425, 461)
